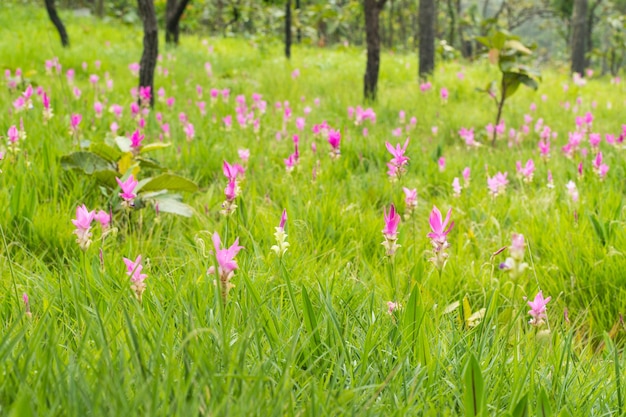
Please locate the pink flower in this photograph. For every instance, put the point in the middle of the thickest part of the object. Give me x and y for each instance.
(226, 263)
(600, 168)
(410, 198)
(444, 94)
(334, 139)
(438, 236)
(189, 131)
(244, 155)
(13, 134)
(466, 176)
(398, 153)
(392, 221)
(135, 139)
(82, 222)
(127, 187)
(390, 232)
(438, 225)
(291, 162)
(456, 187)
(538, 309)
(134, 271)
(497, 184)
(103, 218)
(441, 162)
(526, 171)
(75, 120)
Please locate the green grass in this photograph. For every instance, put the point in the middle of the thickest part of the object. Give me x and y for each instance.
(308, 334)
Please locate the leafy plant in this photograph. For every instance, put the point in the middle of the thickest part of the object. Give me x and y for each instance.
(508, 52)
(105, 161)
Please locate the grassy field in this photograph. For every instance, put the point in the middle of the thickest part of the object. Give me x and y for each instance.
(309, 332)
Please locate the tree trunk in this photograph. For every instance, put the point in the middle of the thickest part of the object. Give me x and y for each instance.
(288, 29)
(150, 46)
(99, 8)
(372, 10)
(452, 29)
(427, 16)
(298, 30)
(173, 12)
(579, 34)
(390, 34)
(54, 17)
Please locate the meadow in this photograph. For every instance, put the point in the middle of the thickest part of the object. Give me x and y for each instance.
(245, 148)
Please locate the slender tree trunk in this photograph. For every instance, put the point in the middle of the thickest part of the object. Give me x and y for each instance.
(100, 8)
(427, 15)
(591, 21)
(298, 31)
(174, 11)
(390, 39)
(579, 34)
(150, 46)
(372, 10)
(56, 20)
(288, 29)
(452, 17)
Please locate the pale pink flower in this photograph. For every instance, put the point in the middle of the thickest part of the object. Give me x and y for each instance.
(103, 218)
(497, 184)
(538, 309)
(83, 220)
(456, 187)
(390, 232)
(226, 264)
(134, 270)
(127, 187)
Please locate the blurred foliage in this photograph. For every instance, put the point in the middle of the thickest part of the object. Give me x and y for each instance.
(341, 22)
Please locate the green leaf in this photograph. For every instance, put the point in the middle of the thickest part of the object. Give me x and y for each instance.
(170, 182)
(518, 46)
(105, 151)
(174, 207)
(106, 177)
(123, 143)
(474, 388)
(598, 228)
(310, 319)
(154, 146)
(149, 163)
(521, 408)
(543, 405)
(498, 40)
(483, 40)
(87, 162)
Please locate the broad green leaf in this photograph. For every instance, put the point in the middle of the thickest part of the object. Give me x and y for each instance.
(473, 395)
(174, 207)
(498, 40)
(170, 182)
(483, 40)
(153, 147)
(87, 162)
(123, 143)
(125, 163)
(105, 151)
(518, 46)
(106, 177)
(149, 163)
